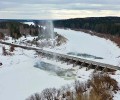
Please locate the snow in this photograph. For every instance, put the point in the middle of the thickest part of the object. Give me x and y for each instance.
(116, 96)
(117, 78)
(21, 39)
(29, 23)
(19, 78)
(80, 42)
(84, 75)
(20, 82)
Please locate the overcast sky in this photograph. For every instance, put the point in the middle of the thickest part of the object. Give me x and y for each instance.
(58, 9)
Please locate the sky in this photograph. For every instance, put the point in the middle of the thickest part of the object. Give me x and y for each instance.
(58, 9)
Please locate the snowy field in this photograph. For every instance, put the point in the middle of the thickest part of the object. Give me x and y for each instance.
(19, 78)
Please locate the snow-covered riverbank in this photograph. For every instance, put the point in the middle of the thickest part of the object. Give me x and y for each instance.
(81, 45)
(19, 78)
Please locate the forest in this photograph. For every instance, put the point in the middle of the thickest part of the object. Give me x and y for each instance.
(106, 25)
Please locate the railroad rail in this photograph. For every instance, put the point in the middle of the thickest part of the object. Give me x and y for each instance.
(89, 64)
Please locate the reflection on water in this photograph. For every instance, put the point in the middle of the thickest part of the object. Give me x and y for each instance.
(65, 73)
(84, 55)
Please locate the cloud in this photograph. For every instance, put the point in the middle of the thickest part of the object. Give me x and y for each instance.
(65, 1)
(5, 5)
(58, 14)
(84, 13)
(47, 9)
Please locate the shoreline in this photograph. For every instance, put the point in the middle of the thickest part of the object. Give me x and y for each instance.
(115, 39)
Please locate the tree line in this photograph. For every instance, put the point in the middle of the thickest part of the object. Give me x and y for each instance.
(106, 25)
(15, 28)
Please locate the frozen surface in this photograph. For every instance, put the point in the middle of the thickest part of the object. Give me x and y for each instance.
(19, 78)
(80, 42)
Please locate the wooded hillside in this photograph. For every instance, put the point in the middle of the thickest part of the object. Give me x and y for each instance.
(106, 25)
